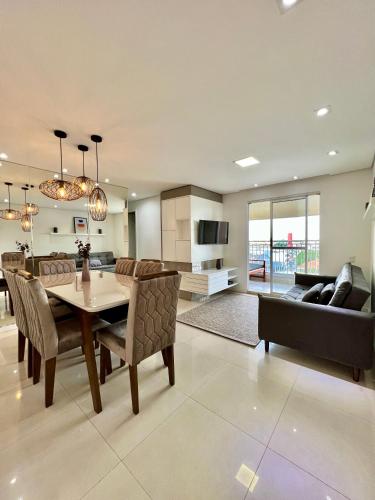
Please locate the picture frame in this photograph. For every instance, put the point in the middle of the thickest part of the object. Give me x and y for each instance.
(80, 225)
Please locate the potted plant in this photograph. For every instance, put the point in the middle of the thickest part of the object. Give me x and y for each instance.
(84, 252)
(23, 247)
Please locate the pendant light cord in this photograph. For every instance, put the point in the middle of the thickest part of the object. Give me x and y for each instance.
(97, 164)
(83, 163)
(61, 169)
(8, 197)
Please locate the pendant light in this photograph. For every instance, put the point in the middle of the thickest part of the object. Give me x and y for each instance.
(26, 220)
(29, 208)
(85, 184)
(9, 213)
(98, 205)
(59, 189)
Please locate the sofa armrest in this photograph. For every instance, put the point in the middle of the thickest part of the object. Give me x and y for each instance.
(333, 333)
(312, 279)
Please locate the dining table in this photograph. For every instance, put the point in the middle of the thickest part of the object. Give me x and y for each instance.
(104, 291)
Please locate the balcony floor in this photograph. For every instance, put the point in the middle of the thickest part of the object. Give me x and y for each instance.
(259, 286)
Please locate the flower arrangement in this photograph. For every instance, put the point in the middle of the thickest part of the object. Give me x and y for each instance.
(23, 247)
(83, 249)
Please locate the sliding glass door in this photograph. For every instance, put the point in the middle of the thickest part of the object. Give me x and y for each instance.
(283, 239)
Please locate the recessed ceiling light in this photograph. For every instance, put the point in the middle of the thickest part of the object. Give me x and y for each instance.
(56, 176)
(247, 162)
(3, 156)
(65, 170)
(295, 177)
(323, 111)
(54, 206)
(6, 200)
(288, 3)
(333, 152)
(106, 180)
(256, 185)
(134, 195)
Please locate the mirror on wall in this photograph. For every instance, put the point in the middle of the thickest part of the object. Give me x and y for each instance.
(59, 223)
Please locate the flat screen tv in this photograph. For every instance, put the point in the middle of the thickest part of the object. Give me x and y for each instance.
(213, 232)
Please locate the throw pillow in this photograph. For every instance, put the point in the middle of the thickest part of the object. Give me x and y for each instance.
(95, 263)
(327, 294)
(313, 294)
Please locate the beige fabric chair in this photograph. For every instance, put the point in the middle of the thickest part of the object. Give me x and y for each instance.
(21, 322)
(13, 259)
(49, 338)
(150, 328)
(125, 266)
(148, 267)
(47, 267)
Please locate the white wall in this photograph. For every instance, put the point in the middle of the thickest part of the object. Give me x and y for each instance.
(343, 232)
(45, 243)
(205, 210)
(148, 227)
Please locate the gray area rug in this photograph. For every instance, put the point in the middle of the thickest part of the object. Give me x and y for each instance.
(233, 315)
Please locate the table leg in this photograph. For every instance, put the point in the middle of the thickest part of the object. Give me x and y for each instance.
(10, 304)
(88, 340)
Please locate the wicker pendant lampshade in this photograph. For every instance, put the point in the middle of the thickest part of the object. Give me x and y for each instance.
(60, 189)
(85, 184)
(29, 208)
(26, 220)
(98, 205)
(9, 213)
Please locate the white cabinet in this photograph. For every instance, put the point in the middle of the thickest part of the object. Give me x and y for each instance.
(183, 253)
(169, 245)
(168, 214)
(210, 281)
(183, 208)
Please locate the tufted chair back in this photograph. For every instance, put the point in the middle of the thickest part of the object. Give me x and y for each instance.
(42, 327)
(151, 324)
(125, 266)
(148, 267)
(19, 310)
(13, 259)
(47, 267)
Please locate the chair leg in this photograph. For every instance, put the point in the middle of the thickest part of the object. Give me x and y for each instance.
(29, 358)
(21, 346)
(49, 382)
(108, 361)
(170, 358)
(102, 364)
(165, 356)
(82, 350)
(36, 366)
(266, 345)
(122, 363)
(356, 374)
(133, 374)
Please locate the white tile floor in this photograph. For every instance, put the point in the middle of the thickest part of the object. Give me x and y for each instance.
(238, 424)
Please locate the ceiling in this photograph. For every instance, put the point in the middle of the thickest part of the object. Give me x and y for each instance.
(181, 89)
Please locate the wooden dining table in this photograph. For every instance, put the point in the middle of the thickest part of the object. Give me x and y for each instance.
(104, 291)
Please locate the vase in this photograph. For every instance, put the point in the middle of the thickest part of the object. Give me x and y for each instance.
(85, 270)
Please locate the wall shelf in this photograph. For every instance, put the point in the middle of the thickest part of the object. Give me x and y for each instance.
(75, 234)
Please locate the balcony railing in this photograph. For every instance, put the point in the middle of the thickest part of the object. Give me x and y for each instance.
(287, 257)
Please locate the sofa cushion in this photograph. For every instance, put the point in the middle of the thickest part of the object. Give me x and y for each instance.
(326, 294)
(343, 286)
(296, 292)
(360, 291)
(95, 263)
(312, 295)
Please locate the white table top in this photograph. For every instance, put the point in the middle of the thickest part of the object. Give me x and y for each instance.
(104, 291)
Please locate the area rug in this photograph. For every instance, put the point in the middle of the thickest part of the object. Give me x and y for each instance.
(232, 315)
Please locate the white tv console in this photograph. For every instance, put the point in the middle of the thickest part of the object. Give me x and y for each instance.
(209, 281)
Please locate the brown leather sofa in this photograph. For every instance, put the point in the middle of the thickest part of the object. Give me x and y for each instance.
(338, 331)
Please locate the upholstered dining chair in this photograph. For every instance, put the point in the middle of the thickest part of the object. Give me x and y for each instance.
(48, 337)
(125, 266)
(21, 321)
(13, 259)
(148, 267)
(150, 328)
(47, 267)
